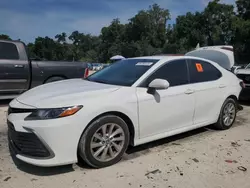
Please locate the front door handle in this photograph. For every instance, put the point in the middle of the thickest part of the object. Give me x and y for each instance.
(189, 91)
(19, 66)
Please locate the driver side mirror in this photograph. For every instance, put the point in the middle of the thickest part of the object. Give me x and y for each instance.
(158, 84)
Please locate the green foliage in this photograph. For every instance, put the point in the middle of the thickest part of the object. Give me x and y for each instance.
(243, 9)
(4, 37)
(148, 33)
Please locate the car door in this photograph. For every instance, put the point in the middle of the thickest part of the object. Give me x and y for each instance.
(169, 109)
(208, 86)
(14, 69)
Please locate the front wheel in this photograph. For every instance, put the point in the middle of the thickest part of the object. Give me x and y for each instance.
(104, 142)
(227, 114)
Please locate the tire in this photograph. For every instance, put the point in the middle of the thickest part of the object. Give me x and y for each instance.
(222, 124)
(92, 141)
(54, 79)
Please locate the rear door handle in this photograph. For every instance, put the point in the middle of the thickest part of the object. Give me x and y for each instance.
(19, 66)
(189, 91)
(222, 86)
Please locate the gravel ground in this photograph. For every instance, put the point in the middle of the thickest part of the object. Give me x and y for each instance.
(203, 158)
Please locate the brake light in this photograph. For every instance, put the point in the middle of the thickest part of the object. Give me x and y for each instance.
(242, 84)
(86, 73)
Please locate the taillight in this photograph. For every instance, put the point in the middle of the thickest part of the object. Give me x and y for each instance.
(86, 73)
(242, 84)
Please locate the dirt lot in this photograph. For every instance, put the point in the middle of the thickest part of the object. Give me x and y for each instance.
(203, 158)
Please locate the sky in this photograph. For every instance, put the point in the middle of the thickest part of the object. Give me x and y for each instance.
(28, 19)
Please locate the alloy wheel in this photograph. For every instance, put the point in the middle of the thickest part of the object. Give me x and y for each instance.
(107, 142)
(229, 114)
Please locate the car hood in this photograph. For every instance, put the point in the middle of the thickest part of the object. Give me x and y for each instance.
(243, 71)
(64, 93)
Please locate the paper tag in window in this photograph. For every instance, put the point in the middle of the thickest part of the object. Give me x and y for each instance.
(199, 67)
(144, 64)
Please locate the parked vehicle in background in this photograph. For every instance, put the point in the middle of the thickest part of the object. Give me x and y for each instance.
(90, 66)
(248, 66)
(236, 67)
(105, 65)
(18, 73)
(132, 102)
(224, 55)
(220, 54)
(96, 66)
(244, 74)
(116, 58)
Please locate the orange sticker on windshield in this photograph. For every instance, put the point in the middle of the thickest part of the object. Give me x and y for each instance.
(199, 67)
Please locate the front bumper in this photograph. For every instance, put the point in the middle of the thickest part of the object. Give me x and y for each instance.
(28, 144)
(45, 142)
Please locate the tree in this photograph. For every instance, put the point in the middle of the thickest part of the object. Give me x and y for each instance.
(243, 7)
(46, 48)
(5, 37)
(111, 39)
(83, 45)
(241, 32)
(149, 25)
(218, 23)
(147, 33)
(188, 32)
(61, 38)
(241, 40)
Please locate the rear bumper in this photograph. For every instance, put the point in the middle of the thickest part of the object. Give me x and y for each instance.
(245, 94)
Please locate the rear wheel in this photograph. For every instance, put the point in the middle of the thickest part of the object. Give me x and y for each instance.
(104, 141)
(227, 114)
(54, 79)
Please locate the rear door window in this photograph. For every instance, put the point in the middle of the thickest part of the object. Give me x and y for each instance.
(8, 51)
(201, 71)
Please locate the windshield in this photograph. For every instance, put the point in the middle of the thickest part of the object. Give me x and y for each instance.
(248, 66)
(124, 72)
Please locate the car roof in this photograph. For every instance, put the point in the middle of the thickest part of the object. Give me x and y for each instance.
(167, 58)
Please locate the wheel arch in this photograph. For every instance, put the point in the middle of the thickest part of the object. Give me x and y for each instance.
(123, 116)
(232, 97)
(220, 124)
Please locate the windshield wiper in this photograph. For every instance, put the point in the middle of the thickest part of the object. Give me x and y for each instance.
(99, 81)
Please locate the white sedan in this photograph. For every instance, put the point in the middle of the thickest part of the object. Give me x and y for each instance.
(131, 102)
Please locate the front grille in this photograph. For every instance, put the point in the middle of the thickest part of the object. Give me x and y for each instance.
(244, 77)
(10, 125)
(19, 110)
(27, 144)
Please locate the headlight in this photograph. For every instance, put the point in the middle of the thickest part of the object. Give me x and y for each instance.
(41, 114)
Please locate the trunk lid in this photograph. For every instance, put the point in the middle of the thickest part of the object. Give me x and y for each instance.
(223, 55)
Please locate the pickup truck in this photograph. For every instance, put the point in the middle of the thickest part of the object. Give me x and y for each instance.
(18, 73)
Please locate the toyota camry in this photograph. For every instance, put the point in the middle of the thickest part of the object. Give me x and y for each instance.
(132, 102)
